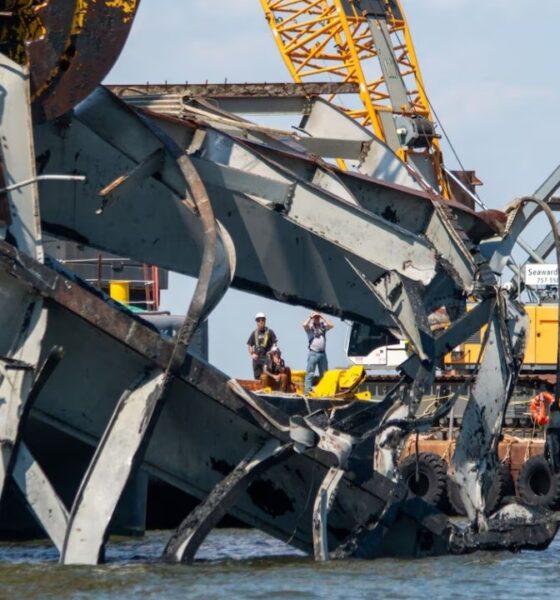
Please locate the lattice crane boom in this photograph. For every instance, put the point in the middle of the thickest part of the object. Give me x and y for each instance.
(367, 42)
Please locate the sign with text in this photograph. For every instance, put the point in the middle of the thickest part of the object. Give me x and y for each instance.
(541, 274)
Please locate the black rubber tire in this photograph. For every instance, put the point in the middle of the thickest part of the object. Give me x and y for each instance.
(502, 486)
(431, 484)
(538, 485)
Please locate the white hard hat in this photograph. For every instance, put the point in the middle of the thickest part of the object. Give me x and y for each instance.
(260, 315)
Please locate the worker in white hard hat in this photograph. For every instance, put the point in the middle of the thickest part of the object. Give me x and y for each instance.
(259, 343)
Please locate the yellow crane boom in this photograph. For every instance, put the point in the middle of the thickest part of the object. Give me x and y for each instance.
(367, 42)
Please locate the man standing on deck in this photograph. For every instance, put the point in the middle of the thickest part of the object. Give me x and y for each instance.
(316, 328)
(259, 343)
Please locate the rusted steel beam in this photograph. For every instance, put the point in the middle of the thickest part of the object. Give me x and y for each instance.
(235, 90)
(126, 183)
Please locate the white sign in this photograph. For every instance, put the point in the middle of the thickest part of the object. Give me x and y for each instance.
(541, 274)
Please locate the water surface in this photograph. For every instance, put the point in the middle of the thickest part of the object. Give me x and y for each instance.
(248, 564)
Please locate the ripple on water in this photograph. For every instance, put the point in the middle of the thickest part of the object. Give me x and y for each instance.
(248, 564)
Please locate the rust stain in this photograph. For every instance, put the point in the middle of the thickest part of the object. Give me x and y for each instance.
(24, 25)
(80, 16)
(128, 8)
(69, 61)
(77, 26)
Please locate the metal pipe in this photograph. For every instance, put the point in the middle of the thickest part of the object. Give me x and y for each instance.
(16, 186)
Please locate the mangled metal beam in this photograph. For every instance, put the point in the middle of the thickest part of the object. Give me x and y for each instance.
(23, 315)
(125, 184)
(475, 456)
(184, 543)
(387, 252)
(129, 431)
(252, 249)
(377, 160)
(181, 444)
(323, 503)
(521, 214)
(111, 467)
(20, 357)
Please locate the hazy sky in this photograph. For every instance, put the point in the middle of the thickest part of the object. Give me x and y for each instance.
(490, 71)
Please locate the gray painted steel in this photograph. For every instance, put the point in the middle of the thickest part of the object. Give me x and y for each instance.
(18, 158)
(24, 320)
(475, 456)
(184, 543)
(40, 496)
(188, 448)
(500, 250)
(324, 499)
(110, 469)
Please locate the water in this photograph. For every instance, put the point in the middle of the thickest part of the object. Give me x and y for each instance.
(249, 565)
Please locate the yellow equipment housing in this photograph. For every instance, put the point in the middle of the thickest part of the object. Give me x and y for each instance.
(542, 342)
(120, 291)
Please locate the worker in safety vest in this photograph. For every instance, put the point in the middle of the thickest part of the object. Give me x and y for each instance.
(259, 343)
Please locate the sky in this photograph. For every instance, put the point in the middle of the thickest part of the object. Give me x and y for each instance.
(489, 69)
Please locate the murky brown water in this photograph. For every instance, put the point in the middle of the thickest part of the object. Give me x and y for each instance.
(247, 564)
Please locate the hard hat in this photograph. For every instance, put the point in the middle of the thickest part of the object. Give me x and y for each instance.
(260, 315)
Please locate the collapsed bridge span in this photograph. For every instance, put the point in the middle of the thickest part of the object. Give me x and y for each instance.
(203, 192)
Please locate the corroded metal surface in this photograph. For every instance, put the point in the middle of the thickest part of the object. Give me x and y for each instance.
(234, 90)
(21, 22)
(61, 44)
(85, 62)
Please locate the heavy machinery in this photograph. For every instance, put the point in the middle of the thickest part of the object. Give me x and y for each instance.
(368, 42)
(198, 190)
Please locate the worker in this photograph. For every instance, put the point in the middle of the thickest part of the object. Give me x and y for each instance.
(316, 327)
(276, 374)
(259, 343)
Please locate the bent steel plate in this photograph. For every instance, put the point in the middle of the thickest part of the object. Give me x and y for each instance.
(70, 46)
